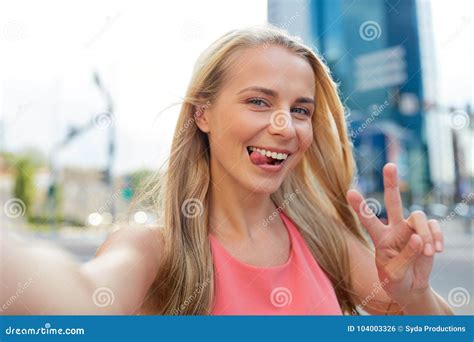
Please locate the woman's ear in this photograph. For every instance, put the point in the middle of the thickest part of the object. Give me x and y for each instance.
(201, 116)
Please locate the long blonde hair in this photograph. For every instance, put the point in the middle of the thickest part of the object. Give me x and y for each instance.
(184, 284)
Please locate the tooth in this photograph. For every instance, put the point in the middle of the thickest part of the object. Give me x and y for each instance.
(274, 155)
(269, 154)
(263, 152)
(252, 148)
(285, 156)
(279, 156)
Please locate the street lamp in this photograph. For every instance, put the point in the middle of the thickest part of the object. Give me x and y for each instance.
(111, 144)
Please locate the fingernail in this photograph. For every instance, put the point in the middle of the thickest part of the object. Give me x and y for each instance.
(439, 247)
(428, 249)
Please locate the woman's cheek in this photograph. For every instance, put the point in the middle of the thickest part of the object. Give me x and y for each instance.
(252, 122)
(305, 137)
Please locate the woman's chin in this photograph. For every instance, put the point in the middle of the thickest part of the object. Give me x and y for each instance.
(264, 187)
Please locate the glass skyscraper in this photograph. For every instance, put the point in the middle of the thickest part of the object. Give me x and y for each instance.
(373, 50)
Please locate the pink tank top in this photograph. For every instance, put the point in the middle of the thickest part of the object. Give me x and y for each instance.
(298, 287)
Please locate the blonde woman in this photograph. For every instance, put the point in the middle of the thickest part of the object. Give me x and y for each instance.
(257, 213)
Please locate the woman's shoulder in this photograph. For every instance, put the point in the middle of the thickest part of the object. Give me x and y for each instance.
(146, 240)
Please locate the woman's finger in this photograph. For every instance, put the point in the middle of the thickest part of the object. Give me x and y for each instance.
(437, 235)
(418, 222)
(407, 257)
(393, 201)
(373, 225)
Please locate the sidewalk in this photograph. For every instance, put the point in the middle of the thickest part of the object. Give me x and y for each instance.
(453, 272)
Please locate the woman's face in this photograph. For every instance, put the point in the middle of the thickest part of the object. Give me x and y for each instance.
(261, 115)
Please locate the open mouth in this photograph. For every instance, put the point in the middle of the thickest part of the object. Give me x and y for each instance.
(260, 156)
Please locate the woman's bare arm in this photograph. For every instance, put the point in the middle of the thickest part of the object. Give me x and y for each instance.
(43, 279)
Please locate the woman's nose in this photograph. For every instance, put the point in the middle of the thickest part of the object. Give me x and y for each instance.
(281, 123)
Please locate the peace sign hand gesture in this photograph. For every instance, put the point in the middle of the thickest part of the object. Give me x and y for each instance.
(404, 248)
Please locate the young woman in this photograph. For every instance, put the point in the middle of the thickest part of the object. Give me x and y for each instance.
(257, 213)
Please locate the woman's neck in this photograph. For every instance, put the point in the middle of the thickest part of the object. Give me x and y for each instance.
(238, 213)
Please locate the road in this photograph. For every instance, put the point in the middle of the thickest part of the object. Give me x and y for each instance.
(453, 270)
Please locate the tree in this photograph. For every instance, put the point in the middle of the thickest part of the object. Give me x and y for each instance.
(24, 188)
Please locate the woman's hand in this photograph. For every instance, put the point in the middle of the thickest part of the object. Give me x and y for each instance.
(404, 248)
(49, 280)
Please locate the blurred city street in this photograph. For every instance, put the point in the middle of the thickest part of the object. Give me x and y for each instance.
(454, 268)
(92, 114)
(452, 276)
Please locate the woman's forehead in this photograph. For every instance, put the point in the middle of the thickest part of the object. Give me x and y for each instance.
(271, 67)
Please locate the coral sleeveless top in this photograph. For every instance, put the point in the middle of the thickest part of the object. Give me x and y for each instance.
(297, 287)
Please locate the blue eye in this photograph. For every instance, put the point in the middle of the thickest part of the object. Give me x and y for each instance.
(257, 102)
(302, 111)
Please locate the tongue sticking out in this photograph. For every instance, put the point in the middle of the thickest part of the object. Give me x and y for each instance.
(259, 159)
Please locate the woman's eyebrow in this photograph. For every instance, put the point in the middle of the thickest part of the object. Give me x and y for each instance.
(304, 100)
(266, 91)
(273, 93)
